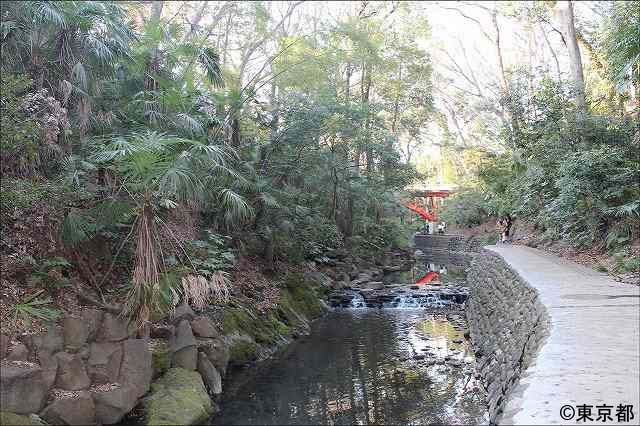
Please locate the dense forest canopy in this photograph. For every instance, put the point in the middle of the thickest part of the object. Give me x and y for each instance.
(162, 130)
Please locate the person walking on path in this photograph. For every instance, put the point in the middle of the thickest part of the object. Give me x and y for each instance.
(504, 224)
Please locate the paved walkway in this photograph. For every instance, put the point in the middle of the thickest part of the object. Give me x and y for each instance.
(592, 355)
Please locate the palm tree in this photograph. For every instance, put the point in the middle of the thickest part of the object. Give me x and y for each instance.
(65, 46)
(157, 172)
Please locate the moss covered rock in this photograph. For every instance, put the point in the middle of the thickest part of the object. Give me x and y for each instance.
(242, 352)
(178, 398)
(250, 331)
(11, 419)
(264, 329)
(305, 295)
(160, 357)
(236, 319)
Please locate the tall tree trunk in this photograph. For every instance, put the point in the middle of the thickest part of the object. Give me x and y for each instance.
(225, 47)
(553, 54)
(366, 91)
(153, 64)
(347, 86)
(565, 13)
(396, 103)
(503, 76)
(156, 12)
(504, 83)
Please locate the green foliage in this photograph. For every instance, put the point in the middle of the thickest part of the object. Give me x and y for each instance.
(19, 132)
(573, 175)
(152, 118)
(40, 276)
(466, 209)
(314, 234)
(626, 261)
(211, 254)
(622, 44)
(104, 218)
(33, 307)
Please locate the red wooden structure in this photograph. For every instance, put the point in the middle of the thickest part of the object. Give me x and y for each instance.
(428, 277)
(428, 211)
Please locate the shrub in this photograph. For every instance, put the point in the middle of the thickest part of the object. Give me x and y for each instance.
(467, 208)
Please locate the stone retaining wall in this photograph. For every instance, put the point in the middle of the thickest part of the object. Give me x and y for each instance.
(507, 323)
(453, 243)
(90, 368)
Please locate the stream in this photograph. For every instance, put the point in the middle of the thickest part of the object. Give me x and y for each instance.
(359, 365)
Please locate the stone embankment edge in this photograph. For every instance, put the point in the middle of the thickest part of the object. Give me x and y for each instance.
(508, 325)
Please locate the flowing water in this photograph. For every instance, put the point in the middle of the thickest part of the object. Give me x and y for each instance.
(364, 366)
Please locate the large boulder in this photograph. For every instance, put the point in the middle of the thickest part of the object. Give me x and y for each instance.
(76, 410)
(186, 358)
(376, 274)
(92, 319)
(183, 336)
(202, 327)
(362, 278)
(217, 352)
(104, 362)
(113, 329)
(5, 341)
(209, 374)
(45, 345)
(113, 404)
(185, 353)
(71, 372)
(23, 389)
(178, 398)
(75, 332)
(18, 352)
(182, 312)
(136, 370)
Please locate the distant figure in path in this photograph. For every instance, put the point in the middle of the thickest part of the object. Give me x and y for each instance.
(504, 224)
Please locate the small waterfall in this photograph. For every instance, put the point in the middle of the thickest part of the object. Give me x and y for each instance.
(357, 302)
(408, 301)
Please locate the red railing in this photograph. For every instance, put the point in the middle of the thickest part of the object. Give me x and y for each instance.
(426, 215)
(430, 276)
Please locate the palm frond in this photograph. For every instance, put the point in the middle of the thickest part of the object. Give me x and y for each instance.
(48, 12)
(186, 122)
(79, 75)
(235, 207)
(269, 200)
(75, 229)
(180, 181)
(629, 209)
(210, 60)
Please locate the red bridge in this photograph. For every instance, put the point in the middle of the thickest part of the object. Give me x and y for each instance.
(425, 203)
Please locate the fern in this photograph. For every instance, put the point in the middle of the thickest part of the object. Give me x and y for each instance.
(75, 229)
(34, 307)
(629, 209)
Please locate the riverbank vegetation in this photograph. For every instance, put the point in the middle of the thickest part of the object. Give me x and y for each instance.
(147, 148)
(158, 152)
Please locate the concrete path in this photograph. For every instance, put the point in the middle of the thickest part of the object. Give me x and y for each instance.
(592, 355)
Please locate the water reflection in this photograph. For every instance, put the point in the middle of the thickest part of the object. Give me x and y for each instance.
(363, 367)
